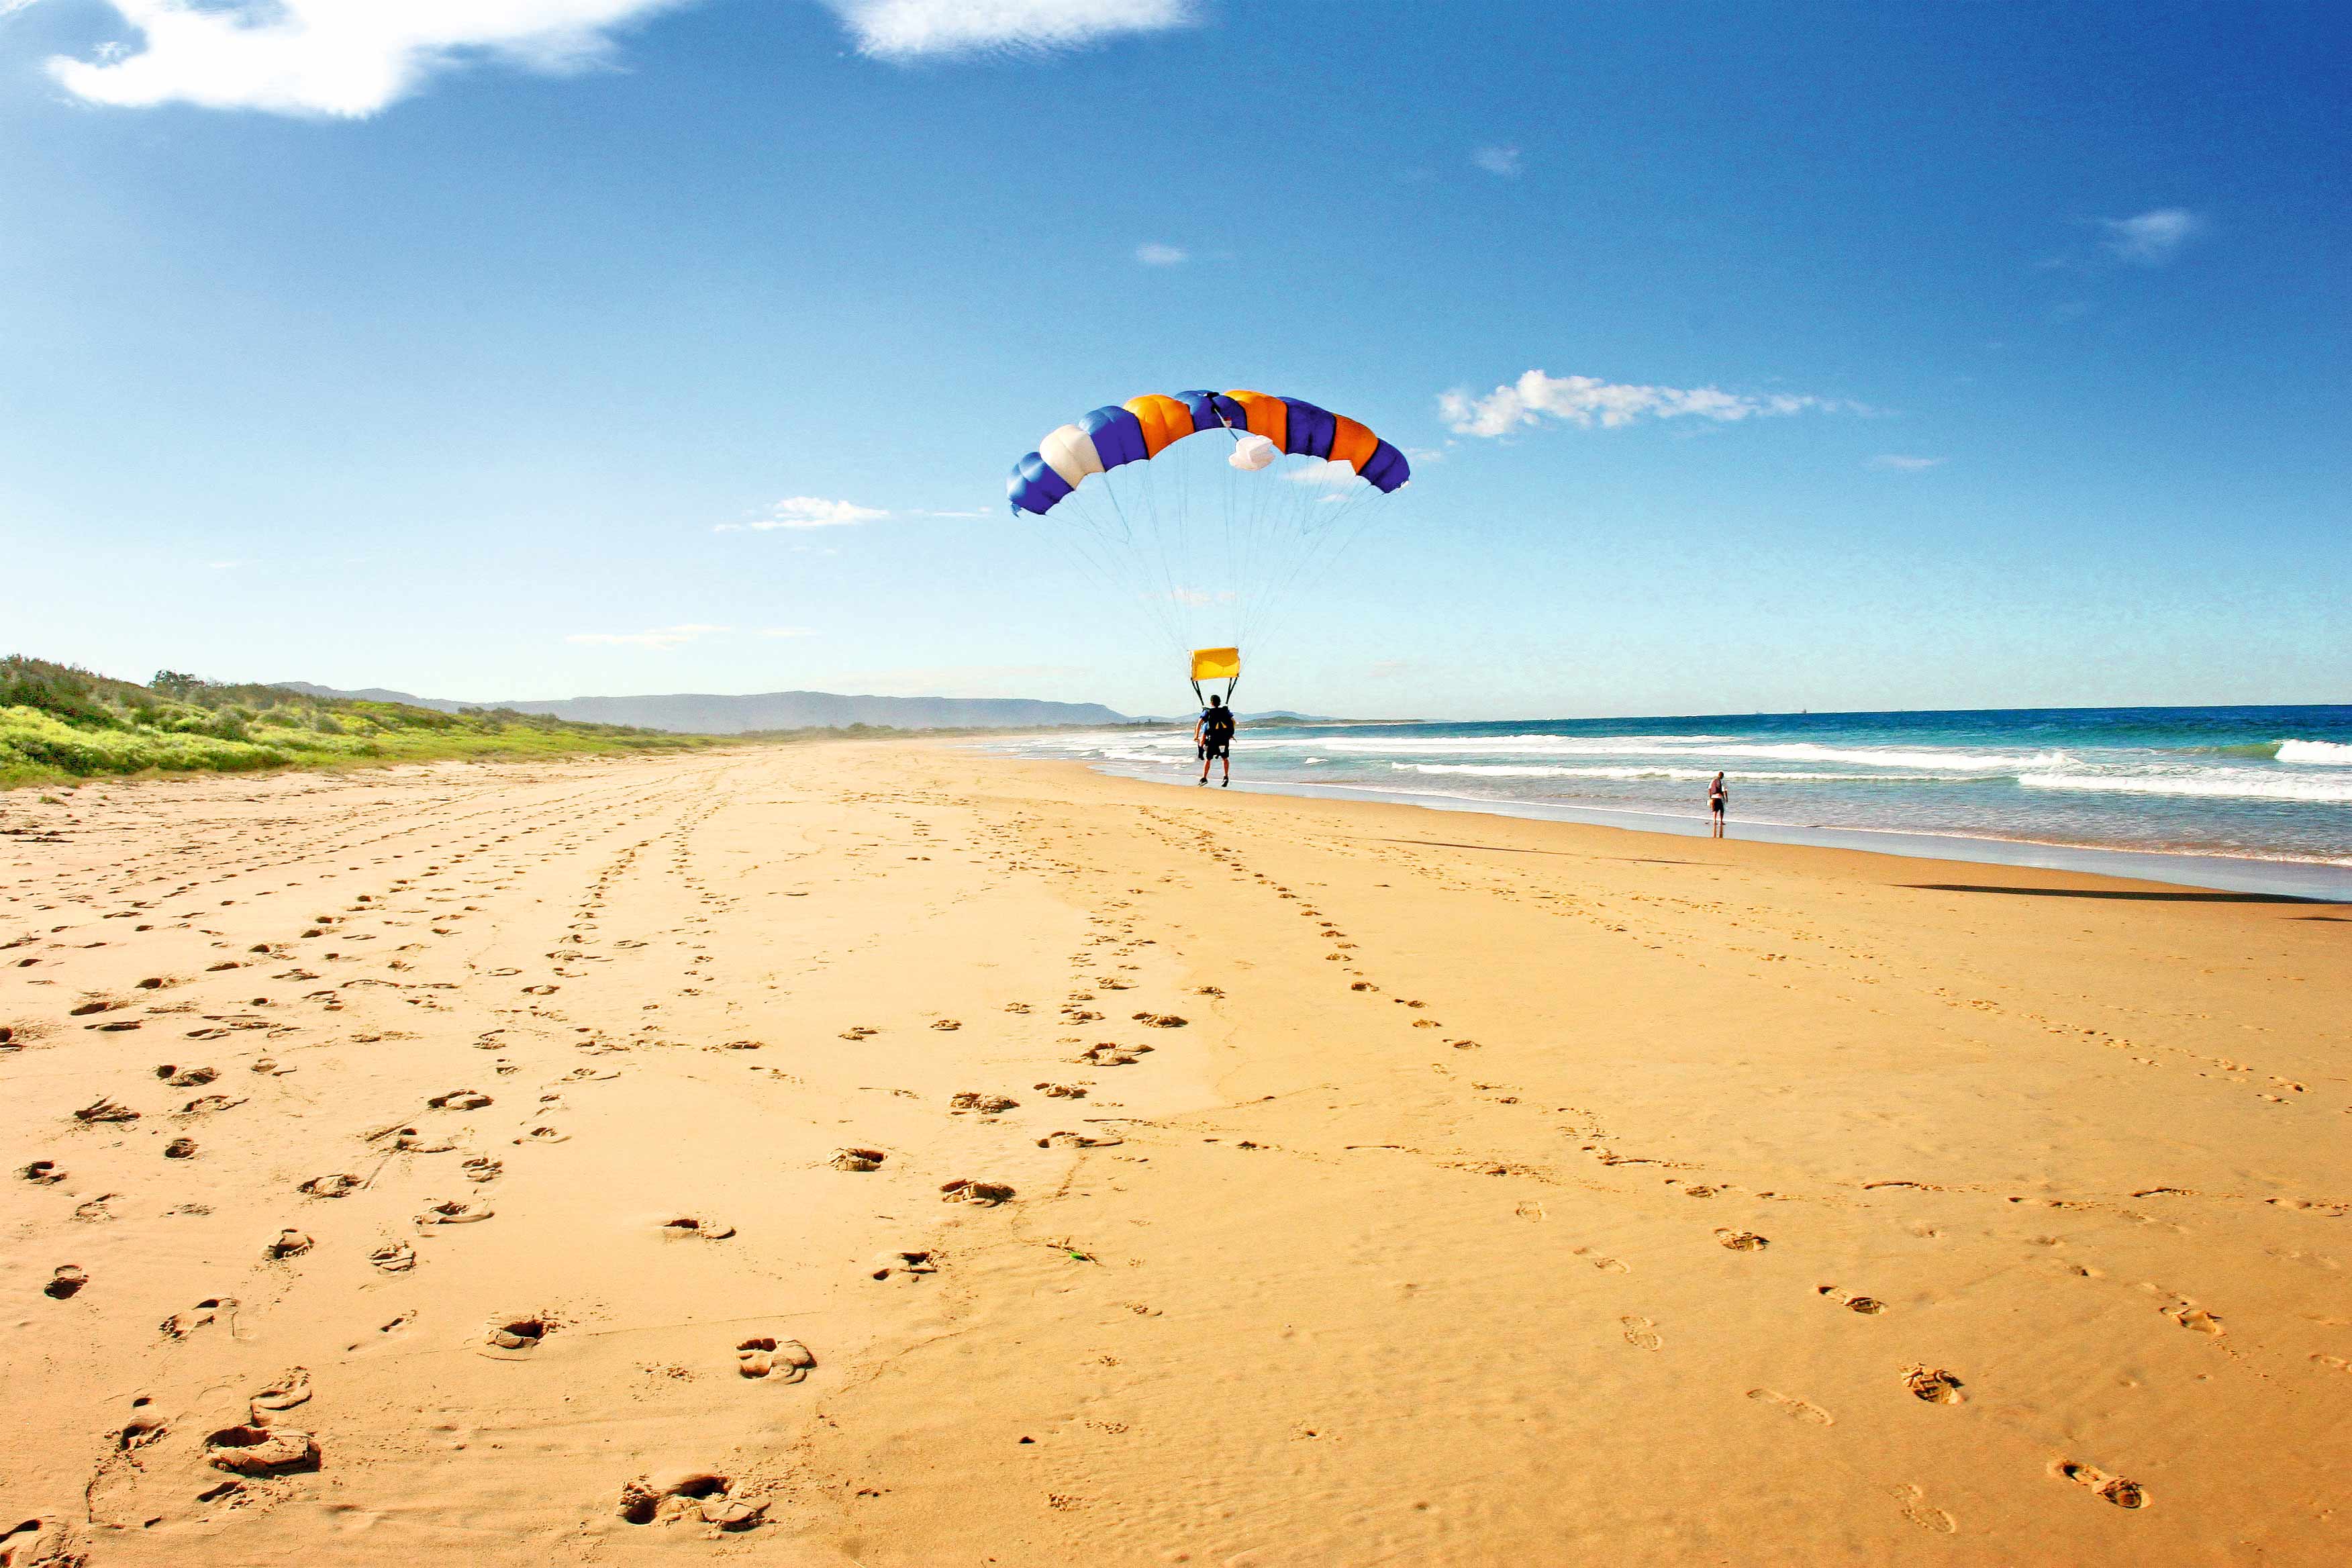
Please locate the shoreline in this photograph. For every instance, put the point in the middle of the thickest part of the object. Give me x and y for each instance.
(2314, 881)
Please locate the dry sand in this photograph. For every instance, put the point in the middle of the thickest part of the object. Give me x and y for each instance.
(1489, 1191)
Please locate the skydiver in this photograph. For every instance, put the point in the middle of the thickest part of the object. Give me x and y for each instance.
(1214, 737)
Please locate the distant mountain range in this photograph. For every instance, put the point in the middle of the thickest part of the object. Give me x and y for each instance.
(699, 713)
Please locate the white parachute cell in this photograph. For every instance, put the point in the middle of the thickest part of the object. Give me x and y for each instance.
(1252, 453)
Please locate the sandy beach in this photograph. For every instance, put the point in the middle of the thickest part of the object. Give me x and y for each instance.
(888, 1154)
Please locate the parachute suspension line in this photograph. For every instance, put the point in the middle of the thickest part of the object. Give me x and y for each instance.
(1168, 610)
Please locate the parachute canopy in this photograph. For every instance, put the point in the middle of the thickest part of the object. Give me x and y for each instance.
(1143, 428)
(1216, 664)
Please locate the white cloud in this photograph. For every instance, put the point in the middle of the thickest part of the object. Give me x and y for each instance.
(1907, 465)
(1161, 256)
(805, 511)
(1319, 471)
(666, 637)
(2152, 238)
(10, 7)
(1586, 401)
(1502, 161)
(347, 59)
(908, 29)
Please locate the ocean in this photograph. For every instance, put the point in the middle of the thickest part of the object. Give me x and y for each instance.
(2257, 798)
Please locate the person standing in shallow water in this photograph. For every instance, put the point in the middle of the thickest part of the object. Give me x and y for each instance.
(1716, 797)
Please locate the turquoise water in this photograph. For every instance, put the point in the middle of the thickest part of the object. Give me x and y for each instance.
(2249, 784)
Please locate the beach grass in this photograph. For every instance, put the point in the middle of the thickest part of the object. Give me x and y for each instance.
(60, 724)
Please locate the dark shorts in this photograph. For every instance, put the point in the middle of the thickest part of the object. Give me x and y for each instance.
(1215, 749)
(1716, 805)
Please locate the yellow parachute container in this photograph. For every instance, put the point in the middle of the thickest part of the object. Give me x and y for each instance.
(1216, 664)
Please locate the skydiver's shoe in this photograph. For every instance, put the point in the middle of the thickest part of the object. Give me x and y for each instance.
(1226, 783)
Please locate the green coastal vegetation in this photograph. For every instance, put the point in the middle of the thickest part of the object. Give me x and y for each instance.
(60, 723)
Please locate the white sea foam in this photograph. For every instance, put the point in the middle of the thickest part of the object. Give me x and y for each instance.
(1507, 745)
(1933, 760)
(2325, 753)
(1539, 771)
(2213, 783)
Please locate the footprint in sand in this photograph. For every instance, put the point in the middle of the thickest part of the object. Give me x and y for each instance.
(335, 1185)
(262, 1450)
(693, 1227)
(965, 1191)
(1742, 1240)
(455, 1211)
(2198, 1319)
(45, 1172)
(518, 1335)
(687, 1494)
(140, 1431)
(1090, 1141)
(203, 1314)
(1605, 1264)
(1641, 1333)
(65, 1280)
(1933, 1384)
(459, 1099)
(1789, 1405)
(857, 1159)
(289, 1244)
(778, 1361)
(887, 1264)
(544, 1135)
(289, 1391)
(2114, 1489)
(986, 1104)
(1917, 1508)
(1868, 1306)
(393, 1258)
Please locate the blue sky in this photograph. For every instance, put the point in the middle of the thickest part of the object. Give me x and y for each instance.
(1760, 356)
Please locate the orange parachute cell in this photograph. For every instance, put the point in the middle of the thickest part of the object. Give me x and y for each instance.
(1268, 416)
(1351, 444)
(1163, 420)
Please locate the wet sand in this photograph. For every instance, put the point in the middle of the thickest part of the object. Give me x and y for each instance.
(891, 1155)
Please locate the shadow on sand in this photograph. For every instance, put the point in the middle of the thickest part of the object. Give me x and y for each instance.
(2126, 896)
